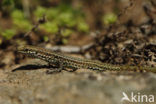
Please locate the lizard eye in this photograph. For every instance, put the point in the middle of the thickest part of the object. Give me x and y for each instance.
(91, 68)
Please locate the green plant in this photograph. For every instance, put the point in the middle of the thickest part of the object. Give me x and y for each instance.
(20, 23)
(62, 16)
(8, 34)
(82, 26)
(45, 38)
(50, 27)
(109, 18)
(66, 32)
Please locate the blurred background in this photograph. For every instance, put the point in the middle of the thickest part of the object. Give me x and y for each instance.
(117, 29)
(66, 19)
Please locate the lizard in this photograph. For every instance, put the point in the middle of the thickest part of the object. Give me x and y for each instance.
(64, 61)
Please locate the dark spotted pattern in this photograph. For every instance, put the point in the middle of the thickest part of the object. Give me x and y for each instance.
(72, 62)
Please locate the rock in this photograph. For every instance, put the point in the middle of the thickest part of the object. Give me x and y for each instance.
(80, 87)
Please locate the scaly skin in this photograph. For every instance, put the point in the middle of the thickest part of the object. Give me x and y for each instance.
(64, 61)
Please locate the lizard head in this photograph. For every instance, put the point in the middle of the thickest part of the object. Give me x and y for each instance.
(25, 49)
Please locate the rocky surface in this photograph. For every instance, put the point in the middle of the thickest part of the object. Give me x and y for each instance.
(33, 86)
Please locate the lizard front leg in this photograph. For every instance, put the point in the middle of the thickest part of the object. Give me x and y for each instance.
(55, 68)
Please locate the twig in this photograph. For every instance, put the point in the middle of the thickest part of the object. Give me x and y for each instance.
(40, 21)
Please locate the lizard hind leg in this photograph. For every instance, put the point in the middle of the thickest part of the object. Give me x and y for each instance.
(71, 69)
(53, 70)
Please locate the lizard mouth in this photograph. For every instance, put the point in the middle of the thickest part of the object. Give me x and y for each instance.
(22, 49)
